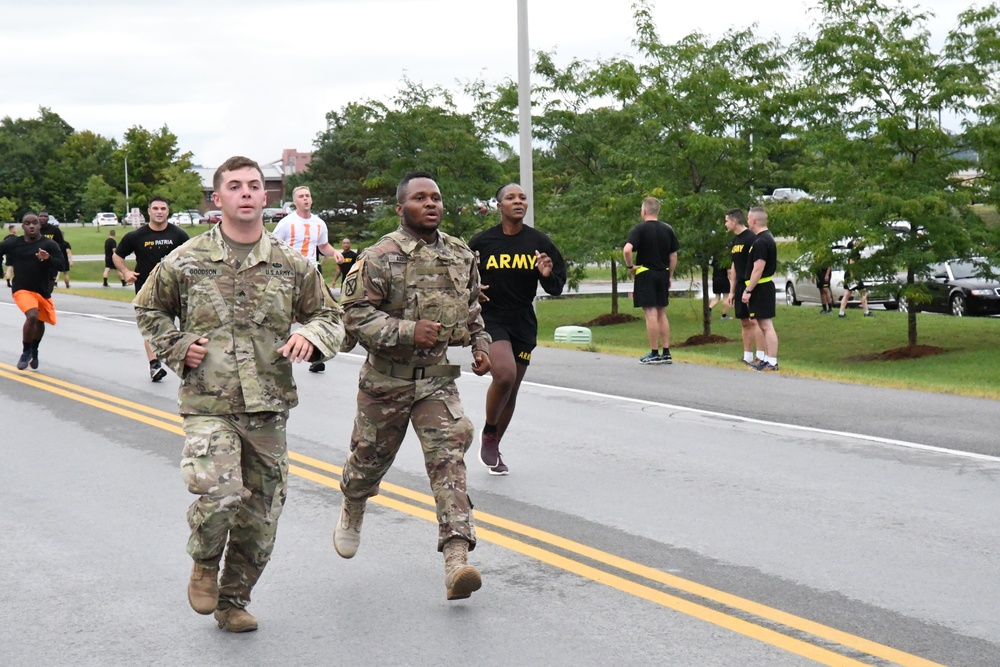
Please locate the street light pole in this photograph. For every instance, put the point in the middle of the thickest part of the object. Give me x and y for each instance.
(126, 186)
(524, 109)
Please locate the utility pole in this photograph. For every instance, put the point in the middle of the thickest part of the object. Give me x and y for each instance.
(524, 109)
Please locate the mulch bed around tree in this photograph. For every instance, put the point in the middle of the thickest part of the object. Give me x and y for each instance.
(908, 352)
(609, 319)
(702, 339)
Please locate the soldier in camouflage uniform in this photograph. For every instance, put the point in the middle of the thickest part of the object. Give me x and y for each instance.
(236, 291)
(406, 300)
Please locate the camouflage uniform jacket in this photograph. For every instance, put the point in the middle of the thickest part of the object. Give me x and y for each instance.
(246, 312)
(400, 280)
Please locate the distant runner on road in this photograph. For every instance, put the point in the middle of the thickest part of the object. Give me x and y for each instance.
(35, 259)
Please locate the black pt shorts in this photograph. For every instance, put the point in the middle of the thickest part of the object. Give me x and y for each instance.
(651, 289)
(762, 301)
(519, 328)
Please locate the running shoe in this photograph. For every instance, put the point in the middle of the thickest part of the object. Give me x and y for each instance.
(665, 358)
(489, 449)
(22, 363)
(766, 367)
(651, 358)
(156, 371)
(34, 360)
(756, 365)
(725, 317)
(500, 468)
(317, 367)
(841, 314)
(869, 314)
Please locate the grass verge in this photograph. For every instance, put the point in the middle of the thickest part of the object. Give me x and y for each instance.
(810, 344)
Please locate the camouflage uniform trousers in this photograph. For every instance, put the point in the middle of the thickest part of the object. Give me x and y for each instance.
(385, 405)
(238, 466)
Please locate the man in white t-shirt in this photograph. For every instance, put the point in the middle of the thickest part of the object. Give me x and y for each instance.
(306, 233)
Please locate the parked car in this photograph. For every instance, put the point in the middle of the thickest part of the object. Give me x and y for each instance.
(787, 194)
(800, 284)
(960, 288)
(105, 220)
(182, 218)
(134, 218)
(273, 214)
(195, 216)
(212, 217)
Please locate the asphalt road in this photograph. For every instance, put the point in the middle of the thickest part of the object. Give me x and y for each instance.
(668, 515)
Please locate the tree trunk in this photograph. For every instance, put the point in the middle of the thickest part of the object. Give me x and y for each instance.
(911, 312)
(614, 287)
(705, 297)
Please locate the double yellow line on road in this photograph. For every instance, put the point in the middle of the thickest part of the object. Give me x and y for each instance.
(726, 610)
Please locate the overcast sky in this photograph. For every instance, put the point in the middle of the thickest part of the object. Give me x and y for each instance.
(252, 77)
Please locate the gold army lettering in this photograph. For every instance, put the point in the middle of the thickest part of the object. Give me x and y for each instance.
(505, 261)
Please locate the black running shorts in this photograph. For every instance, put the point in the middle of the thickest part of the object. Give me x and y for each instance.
(651, 289)
(762, 301)
(519, 328)
(740, 309)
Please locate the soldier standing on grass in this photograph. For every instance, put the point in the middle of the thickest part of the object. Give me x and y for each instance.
(759, 295)
(407, 299)
(236, 291)
(655, 246)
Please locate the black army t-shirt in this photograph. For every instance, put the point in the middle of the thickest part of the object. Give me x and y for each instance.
(742, 243)
(766, 249)
(507, 266)
(349, 257)
(653, 241)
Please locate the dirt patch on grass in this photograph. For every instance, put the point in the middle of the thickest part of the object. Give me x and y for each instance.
(901, 353)
(702, 339)
(609, 319)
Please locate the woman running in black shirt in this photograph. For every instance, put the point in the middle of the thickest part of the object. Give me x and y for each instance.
(513, 261)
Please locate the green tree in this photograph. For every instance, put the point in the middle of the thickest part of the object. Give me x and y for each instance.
(8, 210)
(368, 146)
(975, 40)
(99, 196)
(343, 177)
(155, 166)
(27, 147)
(692, 123)
(711, 116)
(82, 155)
(874, 92)
(180, 186)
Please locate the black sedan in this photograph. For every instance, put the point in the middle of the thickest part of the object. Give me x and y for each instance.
(960, 288)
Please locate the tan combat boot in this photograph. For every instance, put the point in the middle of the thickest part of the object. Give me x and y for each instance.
(347, 534)
(234, 619)
(203, 589)
(460, 578)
